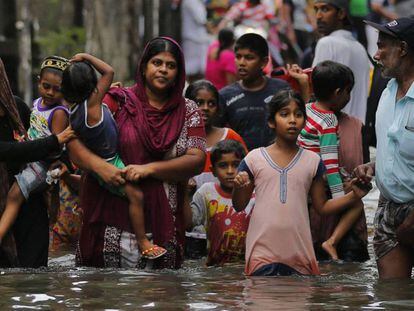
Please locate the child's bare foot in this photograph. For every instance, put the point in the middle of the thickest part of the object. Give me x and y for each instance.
(149, 250)
(330, 248)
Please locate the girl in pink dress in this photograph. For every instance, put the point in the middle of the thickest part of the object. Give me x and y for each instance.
(221, 64)
(282, 175)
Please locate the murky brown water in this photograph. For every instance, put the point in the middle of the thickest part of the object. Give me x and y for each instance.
(65, 287)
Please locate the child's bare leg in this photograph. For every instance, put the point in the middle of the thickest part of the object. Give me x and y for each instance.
(15, 199)
(345, 223)
(136, 214)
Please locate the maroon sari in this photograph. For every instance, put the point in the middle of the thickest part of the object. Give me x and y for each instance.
(146, 134)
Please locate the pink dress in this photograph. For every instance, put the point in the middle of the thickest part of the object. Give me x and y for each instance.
(279, 230)
(216, 69)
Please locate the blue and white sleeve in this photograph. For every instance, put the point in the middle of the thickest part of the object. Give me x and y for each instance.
(243, 167)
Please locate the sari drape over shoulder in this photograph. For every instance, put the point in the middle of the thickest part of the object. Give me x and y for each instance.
(146, 134)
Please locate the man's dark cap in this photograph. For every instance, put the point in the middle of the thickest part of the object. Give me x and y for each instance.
(401, 28)
(339, 4)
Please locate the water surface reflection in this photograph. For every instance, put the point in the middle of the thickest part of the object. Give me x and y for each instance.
(342, 286)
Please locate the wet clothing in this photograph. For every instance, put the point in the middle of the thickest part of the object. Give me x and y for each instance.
(246, 111)
(106, 237)
(394, 168)
(101, 138)
(275, 269)
(226, 228)
(146, 135)
(340, 46)
(64, 233)
(320, 135)
(207, 175)
(30, 230)
(394, 165)
(388, 217)
(33, 176)
(354, 245)
(279, 229)
(28, 150)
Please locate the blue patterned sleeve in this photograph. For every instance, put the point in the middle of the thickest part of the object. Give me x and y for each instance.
(243, 167)
(321, 170)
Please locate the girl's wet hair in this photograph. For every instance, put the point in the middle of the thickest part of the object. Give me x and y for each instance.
(160, 45)
(282, 99)
(224, 147)
(193, 88)
(78, 82)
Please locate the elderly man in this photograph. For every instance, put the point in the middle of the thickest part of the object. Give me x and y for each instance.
(338, 44)
(394, 167)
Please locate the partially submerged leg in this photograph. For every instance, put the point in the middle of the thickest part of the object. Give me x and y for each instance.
(398, 263)
(136, 214)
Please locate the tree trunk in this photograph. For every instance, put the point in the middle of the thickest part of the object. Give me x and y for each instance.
(170, 20)
(112, 33)
(24, 40)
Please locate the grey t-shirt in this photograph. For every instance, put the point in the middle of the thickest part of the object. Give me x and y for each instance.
(246, 111)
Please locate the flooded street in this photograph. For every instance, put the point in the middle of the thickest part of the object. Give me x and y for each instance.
(342, 286)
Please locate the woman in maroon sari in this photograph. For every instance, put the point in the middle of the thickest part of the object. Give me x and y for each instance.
(162, 140)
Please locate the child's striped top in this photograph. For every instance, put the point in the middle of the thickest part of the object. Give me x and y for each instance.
(320, 135)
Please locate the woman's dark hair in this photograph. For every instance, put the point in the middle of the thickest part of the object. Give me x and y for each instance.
(327, 76)
(193, 88)
(226, 40)
(160, 45)
(281, 99)
(224, 147)
(255, 2)
(78, 82)
(253, 42)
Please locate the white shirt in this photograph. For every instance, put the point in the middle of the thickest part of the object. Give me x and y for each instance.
(340, 46)
(394, 168)
(194, 19)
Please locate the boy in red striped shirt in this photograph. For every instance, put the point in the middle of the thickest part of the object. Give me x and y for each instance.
(332, 84)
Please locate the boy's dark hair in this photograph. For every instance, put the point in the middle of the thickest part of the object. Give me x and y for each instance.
(78, 82)
(193, 88)
(282, 99)
(328, 76)
(253, 42)
(224, 147)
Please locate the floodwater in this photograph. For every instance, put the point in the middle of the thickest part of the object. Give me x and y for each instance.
(343, 286)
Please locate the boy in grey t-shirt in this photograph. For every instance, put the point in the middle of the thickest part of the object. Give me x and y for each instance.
(244, 103)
